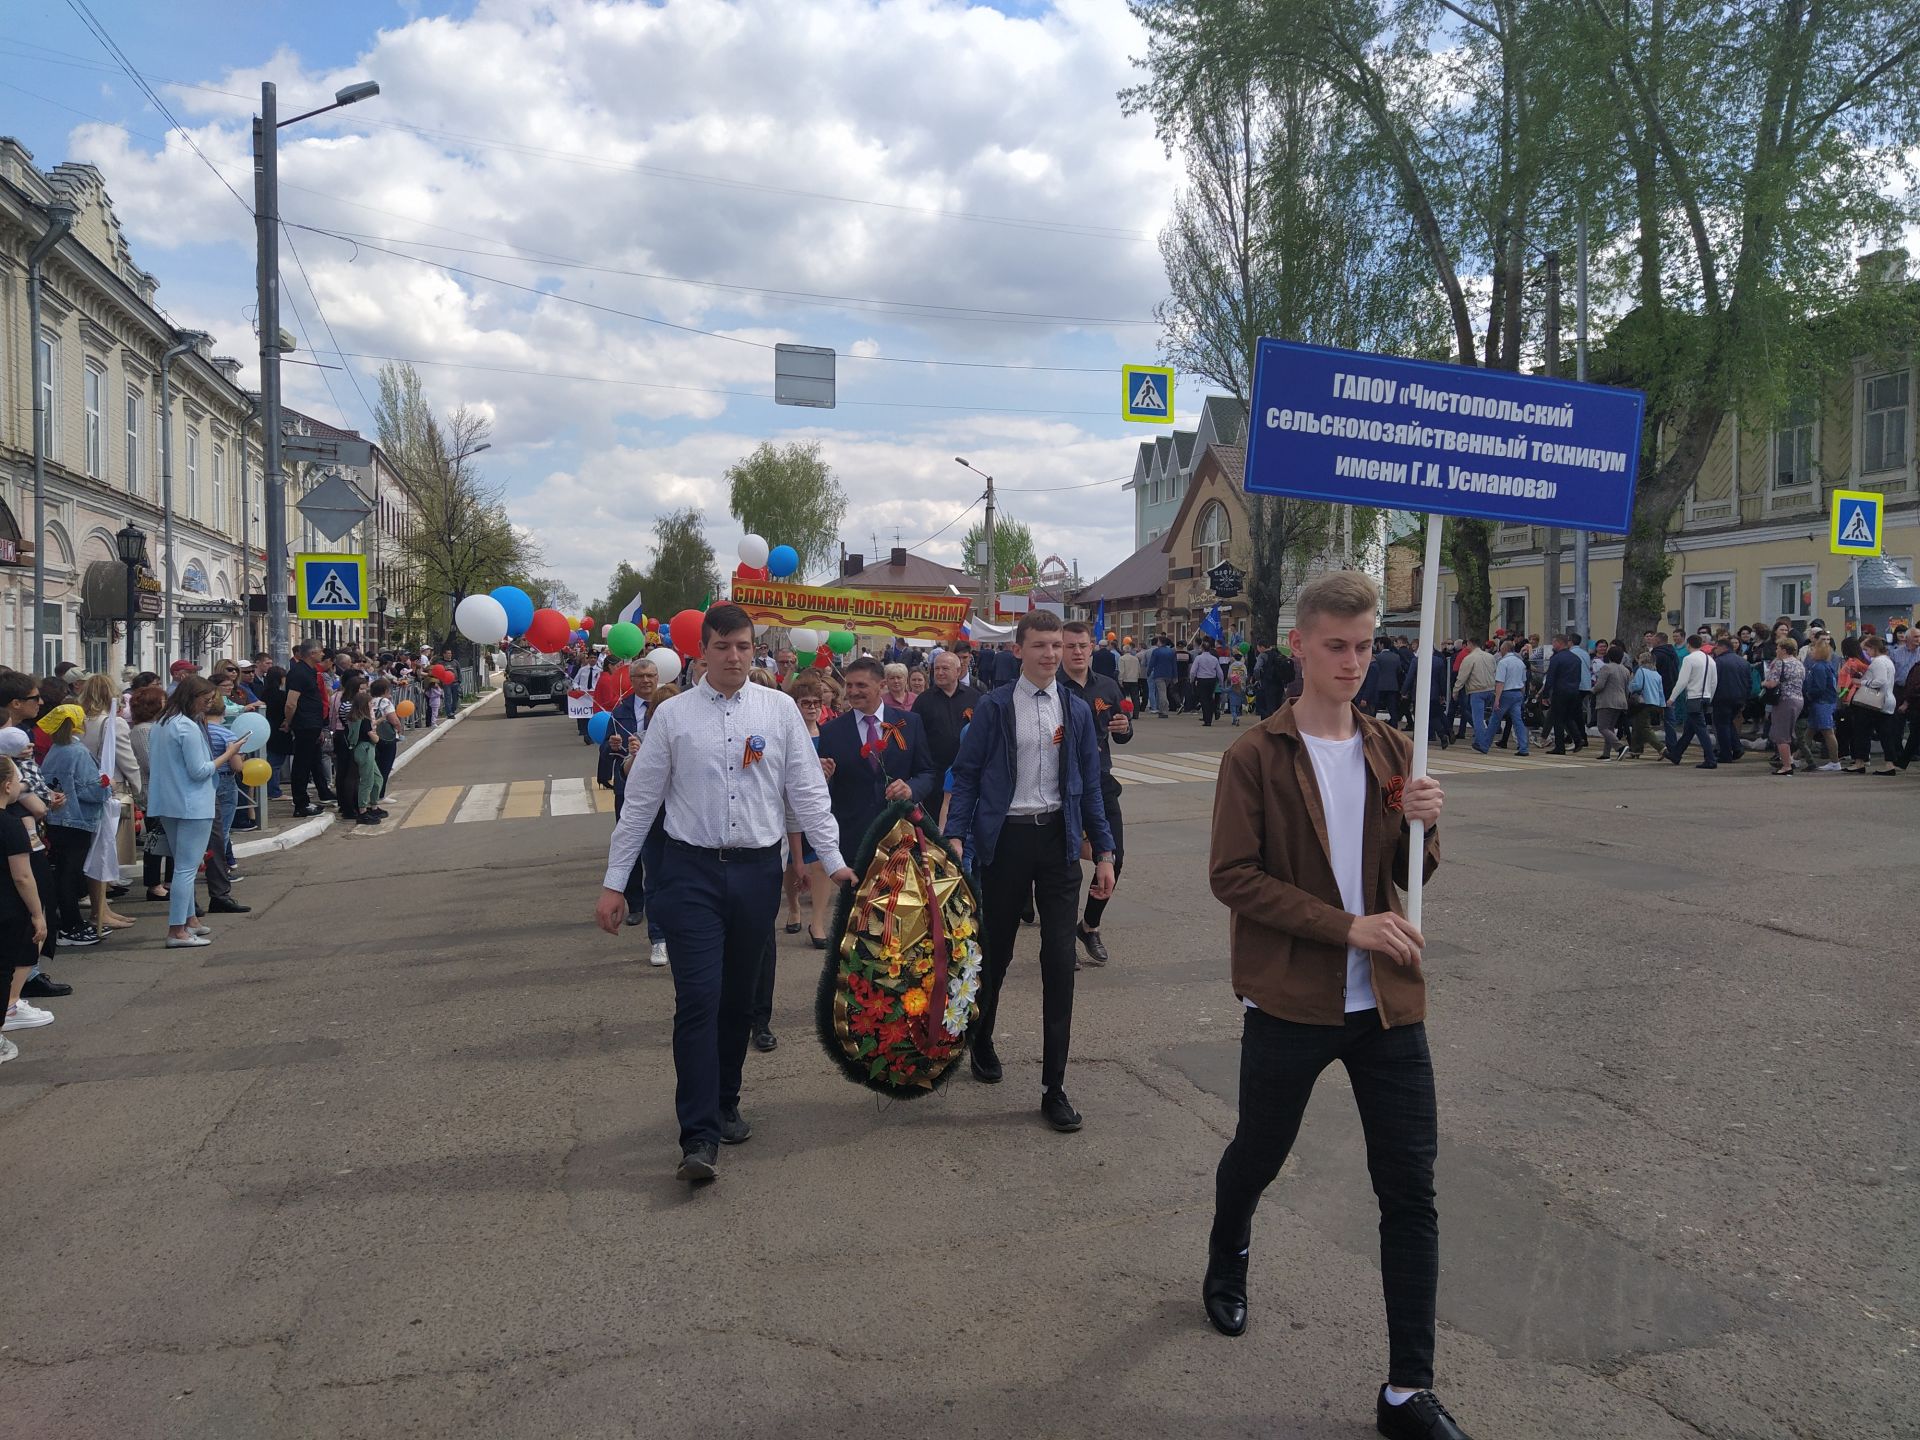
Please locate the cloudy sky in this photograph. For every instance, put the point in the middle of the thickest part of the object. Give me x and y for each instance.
(925, 180)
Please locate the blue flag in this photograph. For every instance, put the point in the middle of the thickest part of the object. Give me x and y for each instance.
(1100, 621)
(1211, 625)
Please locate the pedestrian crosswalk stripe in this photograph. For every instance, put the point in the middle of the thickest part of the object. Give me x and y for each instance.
(1175, 769)
(524, 799)
(482, 803)
(434, 807)
(571, 797)
(1205, 757)
(1128, 776)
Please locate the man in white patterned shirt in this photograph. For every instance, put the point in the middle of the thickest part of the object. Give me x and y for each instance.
(727, 760)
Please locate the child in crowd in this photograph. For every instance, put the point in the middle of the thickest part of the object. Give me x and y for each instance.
(23, 922)
(386, 730)
(357, 716)
(72, 770)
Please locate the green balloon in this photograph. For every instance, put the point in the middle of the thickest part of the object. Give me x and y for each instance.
(840, 641)
(804, 658)
(625, 640)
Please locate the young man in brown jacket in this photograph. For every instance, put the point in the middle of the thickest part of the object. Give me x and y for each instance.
(1311, 845)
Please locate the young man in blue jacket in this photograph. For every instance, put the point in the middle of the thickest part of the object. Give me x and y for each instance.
(1026, 789)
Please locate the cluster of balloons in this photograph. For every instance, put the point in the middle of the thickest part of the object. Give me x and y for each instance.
(818, 647)
(758, 561)
(252, 731)
(509, 611)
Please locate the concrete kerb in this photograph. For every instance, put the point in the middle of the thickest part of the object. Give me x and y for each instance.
(319, 825)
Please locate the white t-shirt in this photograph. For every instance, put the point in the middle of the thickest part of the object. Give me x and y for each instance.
(1340, 770)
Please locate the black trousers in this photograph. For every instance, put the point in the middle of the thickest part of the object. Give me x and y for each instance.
(346, 774)
(1110, 793)
(1391, 1073)
(762, 1018)
(1031, 860)
(1693, 724)
(306, 765)
(1726, 741)
(1569, 730)
(717, 928)
(1208, 693)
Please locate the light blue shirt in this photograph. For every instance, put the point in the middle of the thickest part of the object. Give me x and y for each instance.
(180, 778)
(1511, 674)
(1903, 661)
(1586, 669)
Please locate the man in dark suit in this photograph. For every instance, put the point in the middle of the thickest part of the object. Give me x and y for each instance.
(873, 754)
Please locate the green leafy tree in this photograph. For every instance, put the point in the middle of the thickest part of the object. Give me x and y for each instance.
(626, 583)
(683, 575)
(789, 496)
(1012, 547)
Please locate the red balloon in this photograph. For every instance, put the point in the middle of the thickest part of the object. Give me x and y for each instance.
(586, 622)
(1126, 707)
(548, 631)
(822, 658)
(685, 630)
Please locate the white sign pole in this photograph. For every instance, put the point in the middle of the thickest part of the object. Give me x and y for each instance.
(1423, 707)
(1859, 615)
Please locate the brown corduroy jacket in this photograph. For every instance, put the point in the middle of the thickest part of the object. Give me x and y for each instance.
(1271, 869)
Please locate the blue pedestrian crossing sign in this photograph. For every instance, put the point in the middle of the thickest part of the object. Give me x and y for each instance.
(1856, 522)
(330, 587)
(1146, 393)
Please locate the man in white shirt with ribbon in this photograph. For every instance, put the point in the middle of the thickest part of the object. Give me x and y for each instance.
(727, 760)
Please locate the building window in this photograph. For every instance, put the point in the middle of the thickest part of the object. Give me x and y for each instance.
(1789, 593)
(1153, 491)
(1883, 423)
(1211, 534)
(136, 405)
(193, 473)
(1793, 449)
(93, 393)
(49, 396)
(1710, 602)
(1513, 612)
(219, 487)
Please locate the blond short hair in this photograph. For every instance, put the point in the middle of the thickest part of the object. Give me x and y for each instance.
(895, 670)
(1340, 593)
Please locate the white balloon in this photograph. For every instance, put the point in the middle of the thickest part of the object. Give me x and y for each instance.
(753, 551)
(804, 639)
(666, 664)
(482, 619)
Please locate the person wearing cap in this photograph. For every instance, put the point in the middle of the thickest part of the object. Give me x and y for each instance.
(70, 829)
(178, 669)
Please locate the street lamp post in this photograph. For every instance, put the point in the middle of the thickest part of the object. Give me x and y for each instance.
(266, 207)
(131, 542)
(380, 619)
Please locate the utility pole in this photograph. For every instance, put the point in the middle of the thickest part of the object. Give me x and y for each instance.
(986, 580)
(1552, 558)
(60, 218)
(1582, 581)
(266, 212)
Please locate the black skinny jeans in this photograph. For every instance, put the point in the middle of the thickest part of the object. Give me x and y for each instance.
(1391, 1073)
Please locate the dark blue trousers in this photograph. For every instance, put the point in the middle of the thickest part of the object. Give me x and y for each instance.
(717, 926)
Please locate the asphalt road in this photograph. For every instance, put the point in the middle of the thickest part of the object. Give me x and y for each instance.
(393, 1157)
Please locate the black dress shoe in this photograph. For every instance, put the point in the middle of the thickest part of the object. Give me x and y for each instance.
(117, 892)
(303, 812)
(986, 1064)
(44, 987)
(733, 1130)
(815, 940)
(763, 1040)
(698, 1162)
(636, 917)
(227, 907)
(1059, 1111)
(1095, 947)
(1027, 917)
(1224, 1292)
(1420, 1417)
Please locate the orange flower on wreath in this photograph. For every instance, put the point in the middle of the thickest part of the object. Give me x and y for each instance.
(914, 1002)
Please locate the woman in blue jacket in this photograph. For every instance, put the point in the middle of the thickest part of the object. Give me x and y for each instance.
(71, 769)
(180, 792)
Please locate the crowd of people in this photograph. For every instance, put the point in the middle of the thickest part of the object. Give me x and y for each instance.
(1808, 699)
(94, 765)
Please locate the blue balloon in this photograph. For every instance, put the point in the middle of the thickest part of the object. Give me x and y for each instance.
(519, 607)
(782, 561)
(252, 730)
(598, 726)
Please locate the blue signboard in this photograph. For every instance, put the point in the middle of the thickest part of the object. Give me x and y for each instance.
(1397, 434)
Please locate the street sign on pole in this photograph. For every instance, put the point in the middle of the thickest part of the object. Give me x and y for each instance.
(334, 506)
(1359, 429)
(1856, 525)
(803, 375)
(1146, 394)
(326, 450)
(330, 587)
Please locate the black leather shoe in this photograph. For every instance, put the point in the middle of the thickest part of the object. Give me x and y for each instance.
(1095, 947)
(763, 1040)
(1224, 1292)
(227, 907)
(1060, 1112)
(44, 987)
(636, 917)
(117, 892)
(303, 812)
(1421, 1417)
(1027, 917)
(986, 1064)
(733, 1130)
(698, 1163)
